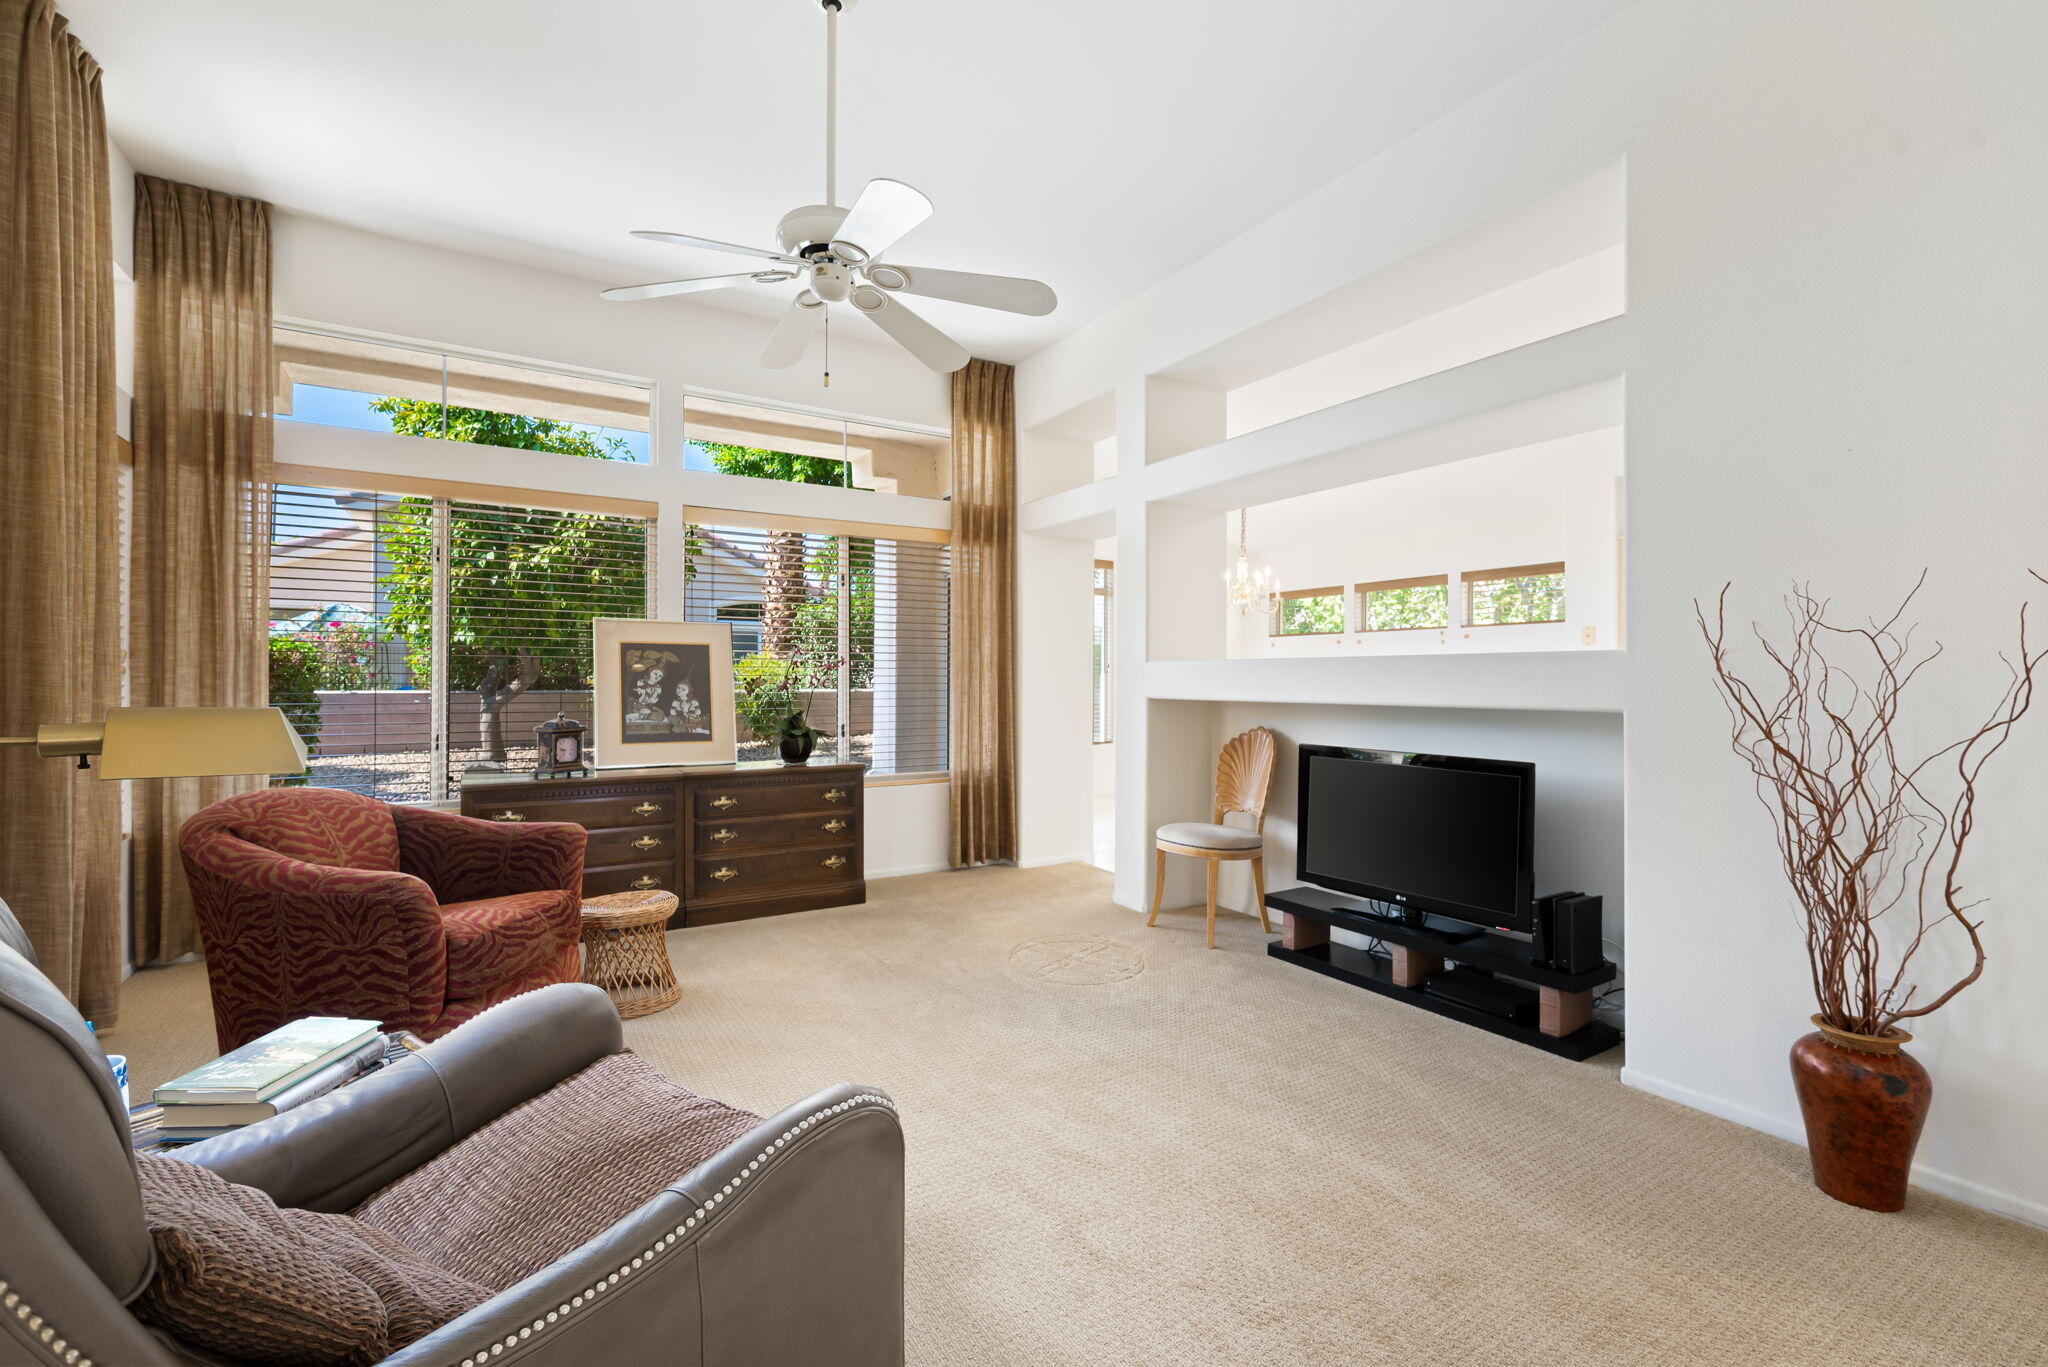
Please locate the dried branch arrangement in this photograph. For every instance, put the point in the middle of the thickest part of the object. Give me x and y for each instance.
(1872, 840)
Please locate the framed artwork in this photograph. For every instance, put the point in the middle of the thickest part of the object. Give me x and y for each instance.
(664, 693)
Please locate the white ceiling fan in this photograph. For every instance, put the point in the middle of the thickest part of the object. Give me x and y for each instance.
(835, 252)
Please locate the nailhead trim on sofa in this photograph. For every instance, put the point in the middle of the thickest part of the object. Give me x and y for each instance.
(71, 1357)
(24, 1312)
(647, 1258)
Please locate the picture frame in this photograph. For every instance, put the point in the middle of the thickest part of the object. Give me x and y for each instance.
(663, 693)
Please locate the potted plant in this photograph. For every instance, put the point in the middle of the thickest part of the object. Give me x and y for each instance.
(1872, 841)
(768, 697)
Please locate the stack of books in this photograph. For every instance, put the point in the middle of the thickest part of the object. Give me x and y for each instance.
(288, 1067)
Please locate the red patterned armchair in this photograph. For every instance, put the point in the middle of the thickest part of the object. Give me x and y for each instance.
(319, 902)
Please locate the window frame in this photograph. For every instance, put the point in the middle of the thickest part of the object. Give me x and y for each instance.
(1468, 580)
(1337, 591)
(1363, 594)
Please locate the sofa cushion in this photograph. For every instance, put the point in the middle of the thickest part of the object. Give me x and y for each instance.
(238, 1275)
(550, 1174)
(1207, 836)
(502, 939)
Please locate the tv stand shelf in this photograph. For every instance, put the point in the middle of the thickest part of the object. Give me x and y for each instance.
(1562, 1002)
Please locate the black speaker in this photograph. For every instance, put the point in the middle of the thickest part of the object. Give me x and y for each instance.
(1543, 949)
(1575, 933)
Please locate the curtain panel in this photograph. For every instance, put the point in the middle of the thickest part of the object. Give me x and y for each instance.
(984, 696)
(200, 576)
(60, 646)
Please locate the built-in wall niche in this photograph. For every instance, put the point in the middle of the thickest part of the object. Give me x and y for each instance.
(1519, 550)
(1542, 269)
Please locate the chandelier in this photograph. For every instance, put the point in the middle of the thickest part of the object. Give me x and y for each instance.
(1245, 590)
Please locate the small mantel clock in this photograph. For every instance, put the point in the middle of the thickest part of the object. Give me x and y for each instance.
(561, 748)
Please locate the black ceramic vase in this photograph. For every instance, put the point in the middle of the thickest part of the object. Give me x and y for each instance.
(797, 749)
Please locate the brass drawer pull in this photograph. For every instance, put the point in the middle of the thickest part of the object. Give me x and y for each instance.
(645, 881)
(837, 861)
(725, 833)
(835, 825)
(646, 809)
(727, 872)
(722, 802)
(509, 815)
(836, 795)
(646, 842)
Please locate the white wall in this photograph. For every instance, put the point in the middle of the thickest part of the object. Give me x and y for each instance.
(1837, 369)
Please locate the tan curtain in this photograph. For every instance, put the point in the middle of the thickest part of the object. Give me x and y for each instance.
(201, 584)
(60, 645)
(984, 702)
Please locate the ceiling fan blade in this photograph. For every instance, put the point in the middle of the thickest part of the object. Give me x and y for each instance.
(685, 240)
(1008, 292)
(793, 334)
(885, 211)
(665, 287)
(913, 333)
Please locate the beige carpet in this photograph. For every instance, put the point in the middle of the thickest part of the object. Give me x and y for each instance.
(1127, 1150)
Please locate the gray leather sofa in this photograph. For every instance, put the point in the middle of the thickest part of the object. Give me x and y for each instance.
(785, 1250)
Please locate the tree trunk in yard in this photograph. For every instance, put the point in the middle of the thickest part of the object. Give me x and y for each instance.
(495, 693)
(782, 592)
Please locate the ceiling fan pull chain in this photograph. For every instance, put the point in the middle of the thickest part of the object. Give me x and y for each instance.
(827, 323)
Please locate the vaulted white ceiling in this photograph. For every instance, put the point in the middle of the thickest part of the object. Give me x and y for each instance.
(1096, 144)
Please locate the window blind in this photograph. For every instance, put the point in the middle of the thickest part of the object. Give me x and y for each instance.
(1105, 651)
(522, 587)
(1517, 594)
(1405, 604)
(853, 630)
(340, 668)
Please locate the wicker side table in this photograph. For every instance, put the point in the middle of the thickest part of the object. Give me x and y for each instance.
(625, 950)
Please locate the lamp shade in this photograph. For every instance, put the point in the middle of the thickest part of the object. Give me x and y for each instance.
(199, 742)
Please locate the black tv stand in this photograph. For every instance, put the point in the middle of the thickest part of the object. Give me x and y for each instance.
(1442, 927)
(1542, 1007)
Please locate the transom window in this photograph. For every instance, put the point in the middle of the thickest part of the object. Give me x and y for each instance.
(1310, 612)
(1405, 604)
(1516, 595)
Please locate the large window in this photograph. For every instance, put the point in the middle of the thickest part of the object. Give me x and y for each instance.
(1309, 612)
(1105, 652)
(1405, 604)
(416, 639)
(849, 630)
(1520, 594)
(338, 381)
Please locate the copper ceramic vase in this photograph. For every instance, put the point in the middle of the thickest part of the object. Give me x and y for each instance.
(1864, 1101)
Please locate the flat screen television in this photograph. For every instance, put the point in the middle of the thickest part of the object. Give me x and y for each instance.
(1424, 833)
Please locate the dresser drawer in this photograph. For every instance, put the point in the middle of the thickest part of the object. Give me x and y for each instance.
(629, 845)
(656, 806)
(717, 876)
(711, 801)
(658, 874)
(740, 834)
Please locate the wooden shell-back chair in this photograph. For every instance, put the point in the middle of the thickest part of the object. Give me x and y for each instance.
(1243, 773)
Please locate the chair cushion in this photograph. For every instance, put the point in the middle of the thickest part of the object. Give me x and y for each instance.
(238, 1275)
(326, 826)
(501, 939)
(546, 1176)
(1209, 836)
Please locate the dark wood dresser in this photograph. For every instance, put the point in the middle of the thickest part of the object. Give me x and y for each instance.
(731, 841)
